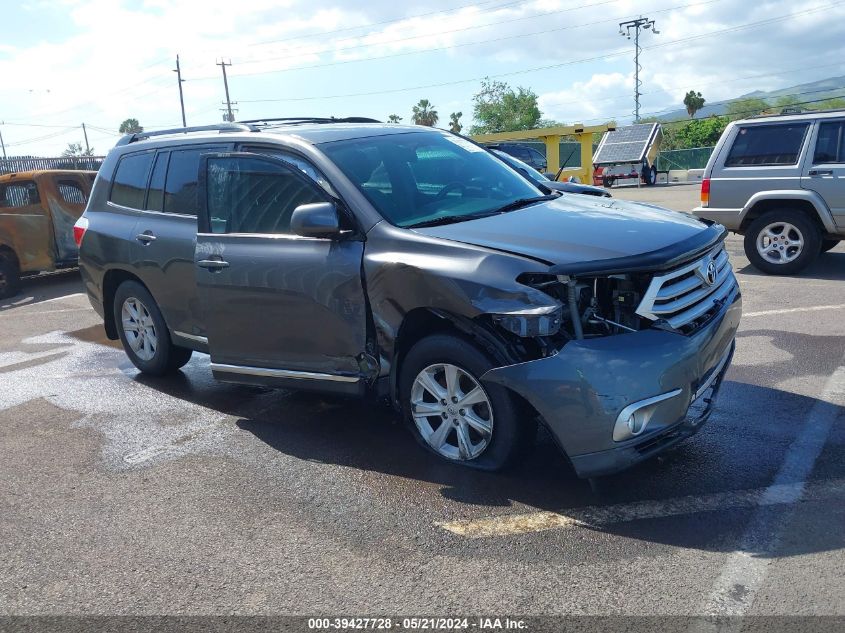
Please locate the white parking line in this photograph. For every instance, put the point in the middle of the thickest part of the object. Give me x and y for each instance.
(743, 573)
(840, 306)
(42, 312)
(603, 516)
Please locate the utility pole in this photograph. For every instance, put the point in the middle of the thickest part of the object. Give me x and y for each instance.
(2, 144)
(179, 79)
(636, 25)
(85, 134)
(229, 116)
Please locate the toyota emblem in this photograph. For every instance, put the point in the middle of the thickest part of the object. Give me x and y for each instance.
(710, 273)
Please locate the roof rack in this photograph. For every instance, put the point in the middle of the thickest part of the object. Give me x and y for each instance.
(792, 111)
(309, 119)
(219, 127)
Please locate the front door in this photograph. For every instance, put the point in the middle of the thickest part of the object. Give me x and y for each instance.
(280, 308)
(825, 172)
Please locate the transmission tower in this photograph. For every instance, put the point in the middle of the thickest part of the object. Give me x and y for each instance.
(640, 23)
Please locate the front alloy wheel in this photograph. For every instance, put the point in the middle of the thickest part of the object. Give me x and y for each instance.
(139, 328)
(452, 411)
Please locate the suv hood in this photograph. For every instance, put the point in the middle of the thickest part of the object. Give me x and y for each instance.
(575, 230)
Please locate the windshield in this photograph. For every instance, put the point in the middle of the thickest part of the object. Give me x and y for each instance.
(514, 162)
(424, 176)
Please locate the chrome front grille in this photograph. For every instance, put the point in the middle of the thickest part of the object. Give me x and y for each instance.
(684, 295)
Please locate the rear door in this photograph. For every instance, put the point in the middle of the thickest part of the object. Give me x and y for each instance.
(165, 238)
(281, 309)
(824, 171)
(25, 225)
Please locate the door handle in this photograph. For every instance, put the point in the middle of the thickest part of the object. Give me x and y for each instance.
(821, 172)
(212, 264)
(146, 238)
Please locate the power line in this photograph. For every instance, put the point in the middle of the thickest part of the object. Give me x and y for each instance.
(392, 21)
(463, 45)
(425, 35)
(539, 68)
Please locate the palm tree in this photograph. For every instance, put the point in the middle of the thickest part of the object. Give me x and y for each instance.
(394, 118)
(130, 126)
(455, 122)
(425, 114)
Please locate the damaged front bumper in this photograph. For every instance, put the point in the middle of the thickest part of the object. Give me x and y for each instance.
(588, 391)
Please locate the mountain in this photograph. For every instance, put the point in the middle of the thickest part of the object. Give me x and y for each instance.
(815, 90)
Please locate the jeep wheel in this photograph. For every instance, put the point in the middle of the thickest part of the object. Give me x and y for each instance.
(143, 332)
(782, 242)
(10, 277)
(828, 245)
(452, 414)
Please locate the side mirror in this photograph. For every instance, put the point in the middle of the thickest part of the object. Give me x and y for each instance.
(319, 219)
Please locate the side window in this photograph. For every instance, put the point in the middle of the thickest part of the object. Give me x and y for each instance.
(829, 147)
(764, 145)
(180, 190)
(155, 197)
(537, 158)
(130, 180)
(71, 192)
(307, 168)
(250, 195)
(22, 193)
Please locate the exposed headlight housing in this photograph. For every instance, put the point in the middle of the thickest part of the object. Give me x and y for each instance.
(530, 323)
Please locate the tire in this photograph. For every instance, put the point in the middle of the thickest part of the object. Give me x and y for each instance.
(828, 245)
(10, 276)
(153, 353)
(801, 242)
(511, 429)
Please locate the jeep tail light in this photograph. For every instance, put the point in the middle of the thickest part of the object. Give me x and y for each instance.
(705, 192)
(79, 230)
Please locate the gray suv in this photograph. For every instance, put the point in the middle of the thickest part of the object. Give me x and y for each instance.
(780, 181)
(410, 265)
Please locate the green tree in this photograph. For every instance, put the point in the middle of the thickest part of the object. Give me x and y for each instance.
(693, 102)
(75, 149)
(699, 132)
(130, 126)
(499, 108)
(836, 103)
(749, 106)
(394, 118)
(425, 114)
(455, 122)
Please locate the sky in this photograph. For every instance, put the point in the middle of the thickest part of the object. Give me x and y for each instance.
(98, 62)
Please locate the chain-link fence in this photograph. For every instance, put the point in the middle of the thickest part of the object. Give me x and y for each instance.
(694, 158)
(27, 163)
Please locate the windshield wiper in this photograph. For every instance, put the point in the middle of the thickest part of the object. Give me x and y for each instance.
(510, 206)
(522, 202)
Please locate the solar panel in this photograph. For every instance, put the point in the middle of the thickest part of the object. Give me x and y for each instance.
(627, 144)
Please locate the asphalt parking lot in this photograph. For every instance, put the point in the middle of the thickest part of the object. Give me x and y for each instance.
(128, 495)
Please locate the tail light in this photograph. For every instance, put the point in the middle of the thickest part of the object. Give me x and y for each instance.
(705, 192)
(79, 230)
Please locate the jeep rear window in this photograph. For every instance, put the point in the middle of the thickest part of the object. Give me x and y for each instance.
(130, 180)
(764, 145)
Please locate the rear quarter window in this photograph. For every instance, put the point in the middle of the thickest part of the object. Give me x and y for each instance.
(71, 192)
(130, 180)
(767, 145)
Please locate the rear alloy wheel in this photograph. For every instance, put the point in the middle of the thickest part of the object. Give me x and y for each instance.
(10, 277)
(452, 414)
(782, 242)
(143, 332)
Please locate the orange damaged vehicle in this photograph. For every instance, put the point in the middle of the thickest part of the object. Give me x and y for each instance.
(37, 212)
